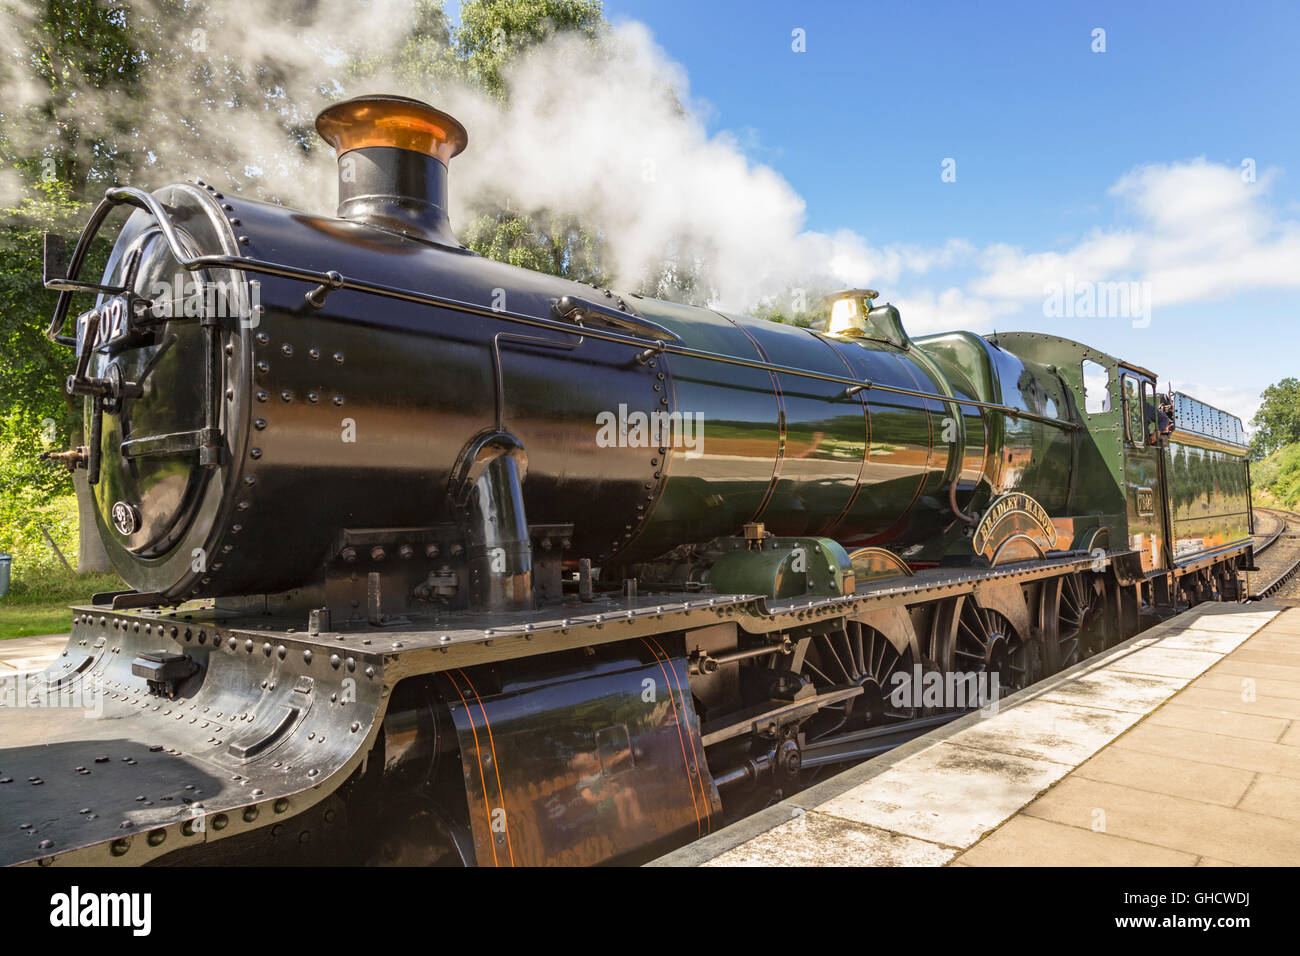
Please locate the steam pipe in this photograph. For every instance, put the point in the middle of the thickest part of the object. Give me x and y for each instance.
(489, 502)
(956, 508)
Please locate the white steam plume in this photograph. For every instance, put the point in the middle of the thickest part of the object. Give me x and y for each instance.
(603, 133)
(597, 130)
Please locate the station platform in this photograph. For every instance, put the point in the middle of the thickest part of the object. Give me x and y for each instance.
(1178, 747)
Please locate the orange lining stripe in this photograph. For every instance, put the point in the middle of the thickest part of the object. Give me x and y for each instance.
(477, 755)
(699, 772)
(496, 764)
(699, 830)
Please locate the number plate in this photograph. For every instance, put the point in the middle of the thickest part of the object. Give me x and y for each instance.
(112, 323)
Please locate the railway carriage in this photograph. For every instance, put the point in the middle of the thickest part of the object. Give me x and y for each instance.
(433, 559)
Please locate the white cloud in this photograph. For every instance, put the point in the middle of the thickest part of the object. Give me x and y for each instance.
(926, 311)
(1199, 233)
(618, 150)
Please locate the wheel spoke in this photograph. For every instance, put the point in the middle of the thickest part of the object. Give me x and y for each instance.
(830, 646)
(852, 656)
(878, 668)
(809, 664)
(864, 657)
(1076, 611)
(973, 636)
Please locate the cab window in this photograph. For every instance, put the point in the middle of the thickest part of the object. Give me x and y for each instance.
(1149, 418)
(1132, 410)
(1096, 388)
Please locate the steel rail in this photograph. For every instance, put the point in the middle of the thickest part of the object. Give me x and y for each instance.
(1272, 539)
(1288, 572)
(1277, 582)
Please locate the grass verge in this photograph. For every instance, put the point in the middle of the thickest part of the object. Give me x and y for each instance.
(39, 605)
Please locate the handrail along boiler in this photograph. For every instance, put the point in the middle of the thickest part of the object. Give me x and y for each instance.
(502, 569)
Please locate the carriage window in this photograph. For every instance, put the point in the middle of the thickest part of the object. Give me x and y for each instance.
(1096, 388)
(1132, 411)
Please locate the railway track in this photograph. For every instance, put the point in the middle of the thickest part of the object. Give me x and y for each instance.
(1277, 552)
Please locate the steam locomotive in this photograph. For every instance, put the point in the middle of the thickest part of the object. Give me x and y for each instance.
(434, 559)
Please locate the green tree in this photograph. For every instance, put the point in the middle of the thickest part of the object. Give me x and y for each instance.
(681, 276)
(72, 47)
(427, 53)
(1275, 481)
(493, 32)
(558, 245)
(34, 368)
(36, 415)
(1277, 423)
(152, 89)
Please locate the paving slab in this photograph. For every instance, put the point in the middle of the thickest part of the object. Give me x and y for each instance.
(1166, 661)
(1190, 826)
(1178, 747)
(1212, 698)
(1227, 722)
(1216, 640)
(1231, 618)
(1057, 731)
(1251, 669)
(1263, 656)
(1275, 796)
(1029, 841)
(1210, 747)
(1248, 685)
(19, 655)
(947, 794)
(814, 839)
(1117, 690)
(1172, 775)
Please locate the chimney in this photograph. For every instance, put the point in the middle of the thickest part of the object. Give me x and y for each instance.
(393, 154)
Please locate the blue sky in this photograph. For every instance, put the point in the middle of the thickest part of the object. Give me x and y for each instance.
(1041, 129)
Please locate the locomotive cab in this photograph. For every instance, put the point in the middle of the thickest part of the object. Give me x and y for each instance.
(1144, 469)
